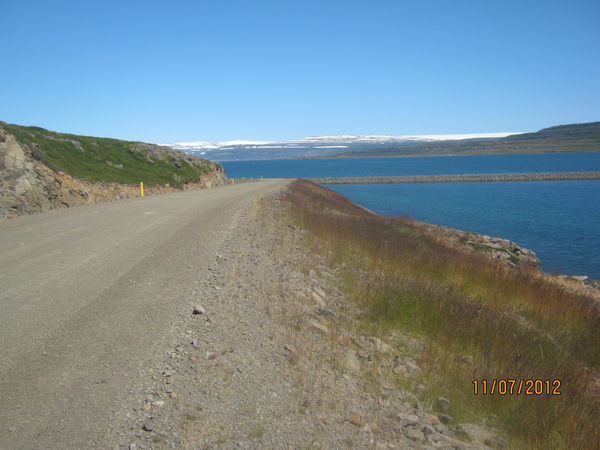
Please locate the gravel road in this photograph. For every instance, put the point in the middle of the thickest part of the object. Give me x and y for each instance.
(202, 319)
(86, 293)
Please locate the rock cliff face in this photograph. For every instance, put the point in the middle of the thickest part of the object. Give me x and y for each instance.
(28, 186)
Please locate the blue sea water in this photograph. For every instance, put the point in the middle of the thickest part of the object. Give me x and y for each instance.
(431, 165)
(559, 220)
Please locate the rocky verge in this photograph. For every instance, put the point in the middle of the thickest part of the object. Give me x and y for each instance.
(495, 248)
(28, 186)
(506, 252)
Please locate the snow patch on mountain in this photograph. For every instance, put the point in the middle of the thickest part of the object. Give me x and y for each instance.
(335, 140)
(312, 146)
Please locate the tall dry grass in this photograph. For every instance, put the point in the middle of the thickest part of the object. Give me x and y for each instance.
(513, 323)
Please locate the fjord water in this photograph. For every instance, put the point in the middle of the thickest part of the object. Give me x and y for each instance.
(430, 165)
(559, 220)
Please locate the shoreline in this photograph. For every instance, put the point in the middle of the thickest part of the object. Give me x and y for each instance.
(488, 246)
(493, 247)
(450, 233)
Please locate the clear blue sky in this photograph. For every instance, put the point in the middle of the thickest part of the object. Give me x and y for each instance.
(219, 70)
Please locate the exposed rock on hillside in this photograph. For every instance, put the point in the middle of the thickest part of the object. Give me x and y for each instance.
(27, 185)
(491, 247)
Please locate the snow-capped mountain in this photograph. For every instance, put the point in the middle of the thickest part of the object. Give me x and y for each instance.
(312, 146)
(203, 145)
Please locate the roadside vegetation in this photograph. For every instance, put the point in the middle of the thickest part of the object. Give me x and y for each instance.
(111, 160)
(479, 319)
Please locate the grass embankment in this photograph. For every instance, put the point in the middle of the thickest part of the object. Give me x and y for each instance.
(505, 323)
(111, 160)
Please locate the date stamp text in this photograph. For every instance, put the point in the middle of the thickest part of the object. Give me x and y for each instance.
(511, 386)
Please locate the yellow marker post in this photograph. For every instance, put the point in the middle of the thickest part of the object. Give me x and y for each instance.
(233, 181)
(141, 188)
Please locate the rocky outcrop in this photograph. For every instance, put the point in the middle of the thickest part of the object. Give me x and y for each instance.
(491, 247)
(28, 186)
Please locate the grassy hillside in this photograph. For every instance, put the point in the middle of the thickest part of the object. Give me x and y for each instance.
(113, 160)
(583, 137)
(479, 320)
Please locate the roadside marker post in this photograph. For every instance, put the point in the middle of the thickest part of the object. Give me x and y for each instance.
(141, 188)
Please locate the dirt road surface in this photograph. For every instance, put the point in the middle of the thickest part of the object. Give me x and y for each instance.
(85, 292)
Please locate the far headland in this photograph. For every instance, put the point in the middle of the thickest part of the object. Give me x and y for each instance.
(573, 138)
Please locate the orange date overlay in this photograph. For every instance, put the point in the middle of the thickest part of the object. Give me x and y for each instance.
(508, 386)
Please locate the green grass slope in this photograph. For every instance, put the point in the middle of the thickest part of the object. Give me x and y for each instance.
(111, 160)
(582, 137)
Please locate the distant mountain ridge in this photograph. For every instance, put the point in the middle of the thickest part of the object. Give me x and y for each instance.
(581, 137)
(313, 146)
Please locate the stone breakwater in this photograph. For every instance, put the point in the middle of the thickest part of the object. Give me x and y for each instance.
(465, 178)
